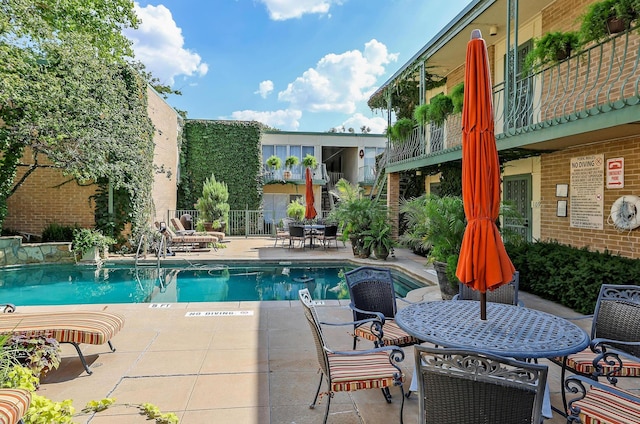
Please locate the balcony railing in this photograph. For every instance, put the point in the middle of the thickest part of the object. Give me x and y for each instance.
(296, 174)
(600, 79)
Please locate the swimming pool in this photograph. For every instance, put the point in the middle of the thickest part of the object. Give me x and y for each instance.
(206, 282)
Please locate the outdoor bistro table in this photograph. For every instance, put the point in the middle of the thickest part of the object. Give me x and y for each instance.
(313, 230)
(509, 330)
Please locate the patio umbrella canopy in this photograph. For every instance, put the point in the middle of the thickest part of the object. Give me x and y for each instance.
(483, 264)
(310, 210)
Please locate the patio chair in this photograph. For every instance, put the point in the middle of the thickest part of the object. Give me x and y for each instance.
(330, 233)
(74, 327)
(181, 231)
(507, 293)
(14, 403)
(600, 403)
(188, 241)
(459, 386)
(372, 295)
(283, 234)
(614, 351)
(297, 233)
(352, 370)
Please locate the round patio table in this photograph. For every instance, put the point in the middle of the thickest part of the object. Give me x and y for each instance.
(509, 330)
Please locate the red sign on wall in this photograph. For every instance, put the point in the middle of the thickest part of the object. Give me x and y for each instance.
(615, 173)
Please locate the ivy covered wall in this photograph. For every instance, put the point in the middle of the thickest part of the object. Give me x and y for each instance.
(228, 149)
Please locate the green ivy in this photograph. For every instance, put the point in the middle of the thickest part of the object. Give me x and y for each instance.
(568, 275)
(230, 150)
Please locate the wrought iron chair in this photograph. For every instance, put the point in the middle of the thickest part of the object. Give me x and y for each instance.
(373, 295)
(330, 233)
(352, 370)
(507, 293)
(467, 387)
(615, 338)
(600, 403)
(283, 234)
(297, 233)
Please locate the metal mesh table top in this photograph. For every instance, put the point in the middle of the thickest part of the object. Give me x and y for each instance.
(509, 330)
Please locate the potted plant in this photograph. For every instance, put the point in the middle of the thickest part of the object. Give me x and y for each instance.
(421, 114)
(457, 97)
(440, 108)
(274, 162)
(212, 206)
(378, 236)
(353, 213)
(607, 17)
(310, 161)
(552, 47)
(401, 130)
(289, 163)
(90, 245)
(443, 230)
(296, 210)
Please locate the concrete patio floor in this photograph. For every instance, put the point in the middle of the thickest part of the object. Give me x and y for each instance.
(255, 368)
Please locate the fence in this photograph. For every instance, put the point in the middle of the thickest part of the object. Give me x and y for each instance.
(248, 223)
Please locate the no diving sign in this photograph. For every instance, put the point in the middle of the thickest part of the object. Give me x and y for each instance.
(219, 314)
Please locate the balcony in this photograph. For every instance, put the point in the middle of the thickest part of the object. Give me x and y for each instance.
(295, 175)
(591, 96)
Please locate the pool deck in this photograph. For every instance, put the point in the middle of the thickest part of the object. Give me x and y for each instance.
(258, 368)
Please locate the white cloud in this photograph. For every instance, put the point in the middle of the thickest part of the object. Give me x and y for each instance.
(339, 81)
(377, 124)
(280, 10)
(158, 43)
(265, 88)
(283, 119)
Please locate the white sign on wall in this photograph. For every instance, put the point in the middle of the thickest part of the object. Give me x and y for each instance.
(586, 195)
(615, 173)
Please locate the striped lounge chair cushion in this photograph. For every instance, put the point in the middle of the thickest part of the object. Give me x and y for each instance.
(583, 363)
(13, 405)
(603, 407)
(371, 371)
(392, 334)
(91, 327)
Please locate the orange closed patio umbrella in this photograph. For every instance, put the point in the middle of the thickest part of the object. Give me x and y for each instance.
(483, 264)
(310, 210)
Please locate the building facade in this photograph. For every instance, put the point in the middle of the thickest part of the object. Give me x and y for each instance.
(567, 131)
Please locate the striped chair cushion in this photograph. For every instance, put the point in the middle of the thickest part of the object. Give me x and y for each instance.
(603, 407)
(13, 405)
(583, 363)
(91, 327)
(371, 371)
(392, 334)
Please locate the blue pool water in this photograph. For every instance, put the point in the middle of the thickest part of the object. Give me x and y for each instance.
(79, 284)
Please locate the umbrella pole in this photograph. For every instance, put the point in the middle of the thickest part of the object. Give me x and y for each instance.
(483, 306)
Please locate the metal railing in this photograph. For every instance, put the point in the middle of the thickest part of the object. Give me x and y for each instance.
(247, 223)
(294, 173)
(603, 78)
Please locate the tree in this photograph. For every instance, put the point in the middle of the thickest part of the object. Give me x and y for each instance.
(68, 93)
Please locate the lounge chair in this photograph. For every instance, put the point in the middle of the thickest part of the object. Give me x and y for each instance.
(14, 403)
(181, 231)
(74, 327)
(185, 240)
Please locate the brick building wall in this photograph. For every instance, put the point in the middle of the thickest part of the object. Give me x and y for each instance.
(563, 15)
(48, 197)
(555, 169)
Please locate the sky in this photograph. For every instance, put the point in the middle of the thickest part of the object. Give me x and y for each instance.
(294, 65)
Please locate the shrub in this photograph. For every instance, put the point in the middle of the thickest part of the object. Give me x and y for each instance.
(568, 275)
(57, 232)
(212, 205)
(457, 97)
